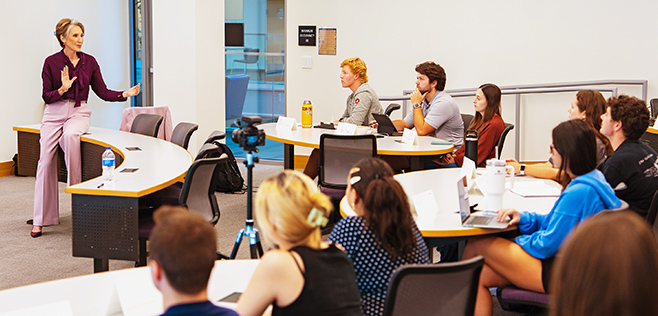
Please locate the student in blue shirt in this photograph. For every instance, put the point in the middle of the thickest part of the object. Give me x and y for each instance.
(526, 261)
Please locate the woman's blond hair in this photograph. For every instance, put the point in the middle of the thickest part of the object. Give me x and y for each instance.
(285, 201)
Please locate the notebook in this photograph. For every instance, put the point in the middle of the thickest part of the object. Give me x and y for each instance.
(385, 125)
(478, 219)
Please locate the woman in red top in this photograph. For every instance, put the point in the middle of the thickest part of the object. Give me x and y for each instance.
(487, 123)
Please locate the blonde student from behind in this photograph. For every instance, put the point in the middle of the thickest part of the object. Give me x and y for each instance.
(305, 276)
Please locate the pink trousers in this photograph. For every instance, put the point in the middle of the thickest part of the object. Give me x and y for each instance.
(62, 123)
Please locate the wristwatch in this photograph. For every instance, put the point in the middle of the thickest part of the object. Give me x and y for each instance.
(522, 170)
(416, 105)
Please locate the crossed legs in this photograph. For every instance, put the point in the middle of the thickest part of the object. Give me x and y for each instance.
(505, 263)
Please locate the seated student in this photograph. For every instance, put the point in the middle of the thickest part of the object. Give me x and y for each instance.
(607, 267)
(360, 104)
(487, 122)
(587, 105)
(383, 237)
(526, 261)
(435, 112)
(182, 253)
(631, 169)
(304, 276)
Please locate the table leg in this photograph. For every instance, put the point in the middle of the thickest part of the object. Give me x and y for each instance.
(101, 265)
(288, 156)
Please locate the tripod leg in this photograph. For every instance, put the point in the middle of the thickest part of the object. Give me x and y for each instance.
(259, 247)
(237, 244)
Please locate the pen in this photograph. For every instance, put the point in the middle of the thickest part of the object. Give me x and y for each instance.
(100, 185)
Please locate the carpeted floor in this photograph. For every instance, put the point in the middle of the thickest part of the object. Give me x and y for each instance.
(25, 260)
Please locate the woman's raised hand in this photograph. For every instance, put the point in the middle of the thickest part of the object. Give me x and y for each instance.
(132, 91)
(66, 82)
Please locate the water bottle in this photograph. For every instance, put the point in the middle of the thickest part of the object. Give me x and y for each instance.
(108, 165)
(307, 114)
(471, 145)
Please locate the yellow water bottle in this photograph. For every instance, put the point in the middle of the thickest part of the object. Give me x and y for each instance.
(307, 114)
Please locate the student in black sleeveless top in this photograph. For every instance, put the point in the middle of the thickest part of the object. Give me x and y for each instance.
(305, 276)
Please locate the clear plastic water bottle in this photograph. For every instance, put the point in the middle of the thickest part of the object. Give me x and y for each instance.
(108, 165)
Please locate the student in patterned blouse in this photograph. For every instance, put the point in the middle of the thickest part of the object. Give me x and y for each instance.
(383, 237)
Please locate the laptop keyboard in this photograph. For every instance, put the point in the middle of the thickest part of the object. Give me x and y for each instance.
(479, 220)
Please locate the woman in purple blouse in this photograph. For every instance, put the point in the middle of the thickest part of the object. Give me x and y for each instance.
(67, 76)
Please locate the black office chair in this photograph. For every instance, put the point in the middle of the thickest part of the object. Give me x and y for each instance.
(146, 124)
(653, 105)
(653, 210)
(197, 194)
(338, 153)
(215, 136)
(434, 289)
(390, 108)
(182, 133)
(467, 118)
(503, 136)
(650, 139)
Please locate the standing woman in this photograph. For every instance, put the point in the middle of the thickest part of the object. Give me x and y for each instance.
(67, 76)
(383, 236)
(487, 122)
(526, 261)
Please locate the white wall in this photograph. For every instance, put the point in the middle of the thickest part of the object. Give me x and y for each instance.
(188, 63)
(505, 42)
(27, 39)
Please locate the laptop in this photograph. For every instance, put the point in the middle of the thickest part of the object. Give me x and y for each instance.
(385, 125)
(477, 219)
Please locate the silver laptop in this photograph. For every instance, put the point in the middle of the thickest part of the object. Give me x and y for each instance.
(476, 219)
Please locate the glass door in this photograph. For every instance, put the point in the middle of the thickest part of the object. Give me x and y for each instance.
(255, 65)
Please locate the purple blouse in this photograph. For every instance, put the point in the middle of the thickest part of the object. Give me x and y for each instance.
(88, 73)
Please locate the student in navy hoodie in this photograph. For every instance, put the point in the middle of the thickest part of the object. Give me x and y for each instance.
(526, 261)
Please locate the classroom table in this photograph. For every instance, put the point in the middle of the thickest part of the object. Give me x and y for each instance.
(105, 216)
(444, 227)
(119, 292)
(310, 137)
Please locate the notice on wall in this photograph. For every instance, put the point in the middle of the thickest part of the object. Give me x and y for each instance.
(327, 41)
(307, 35)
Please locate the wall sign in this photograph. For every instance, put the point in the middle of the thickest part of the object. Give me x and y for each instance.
(307, 35)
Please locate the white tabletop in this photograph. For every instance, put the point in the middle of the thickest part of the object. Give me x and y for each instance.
(310, 137)
(447, 221)
(119, 292)
(161, 163)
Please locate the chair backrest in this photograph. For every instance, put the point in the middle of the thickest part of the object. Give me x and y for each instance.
(390, 108)
(146, 124)
(501, 141)
(338, 153)
(215, 136)
(198, 193)
(467, 118)
(434, 289)
(182, 134)
(653, 104)
(653, 210)
(251, 59)
(236, 92)
(650, 139)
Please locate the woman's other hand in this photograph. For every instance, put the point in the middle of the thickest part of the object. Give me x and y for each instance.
(445, 160)
(512, 162)
(132, 91)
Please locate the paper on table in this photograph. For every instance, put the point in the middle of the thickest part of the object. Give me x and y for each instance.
(61, 308)
(535, 188)
(425, 205)
(138, 296)
(468, 171)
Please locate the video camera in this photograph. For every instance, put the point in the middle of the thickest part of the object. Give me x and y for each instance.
(248, 137)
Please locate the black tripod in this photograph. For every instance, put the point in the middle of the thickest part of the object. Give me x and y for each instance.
(249, 231)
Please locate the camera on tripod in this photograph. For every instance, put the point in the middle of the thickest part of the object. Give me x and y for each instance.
(248, 137)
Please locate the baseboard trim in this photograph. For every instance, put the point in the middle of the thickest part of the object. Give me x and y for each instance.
(6, 168)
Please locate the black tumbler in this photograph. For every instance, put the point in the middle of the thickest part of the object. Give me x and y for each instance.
(471, 145)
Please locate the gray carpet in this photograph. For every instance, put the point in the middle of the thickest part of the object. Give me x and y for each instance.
(25, 260)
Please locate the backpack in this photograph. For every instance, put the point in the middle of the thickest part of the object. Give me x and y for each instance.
(227, 176)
